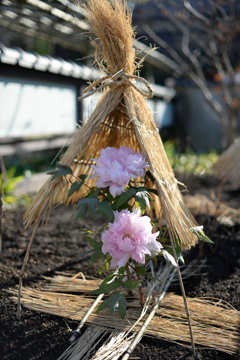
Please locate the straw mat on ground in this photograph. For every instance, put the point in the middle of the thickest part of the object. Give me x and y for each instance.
(85, 347)
(121, 118)
(227, 168)
(215, 324)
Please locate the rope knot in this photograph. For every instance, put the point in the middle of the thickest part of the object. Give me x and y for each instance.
(116, 80)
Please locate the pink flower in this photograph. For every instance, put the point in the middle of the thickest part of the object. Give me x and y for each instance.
(116, 167)
(130, 236)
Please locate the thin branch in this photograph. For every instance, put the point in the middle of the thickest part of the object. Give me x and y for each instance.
(181, 23)
(221, 71)
(192, 57)
(174, 54)
(228, 63)
(183, 293)
(200, 82)
(77, 332)
(148, 320)
(21, 276)
(193, 11)
(3, 178)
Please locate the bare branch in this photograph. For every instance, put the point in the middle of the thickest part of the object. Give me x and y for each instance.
(228, 63)
(221, 71)
(207, 38)
(193, 11)
(174, 54)
(199, 81)
(185, 48)
(162, 60)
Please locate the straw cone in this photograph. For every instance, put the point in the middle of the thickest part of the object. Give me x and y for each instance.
(201, 205)
(121, 118)
(227, 168)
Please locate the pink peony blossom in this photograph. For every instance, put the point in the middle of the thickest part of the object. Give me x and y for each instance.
(116, 167)
(130, 236)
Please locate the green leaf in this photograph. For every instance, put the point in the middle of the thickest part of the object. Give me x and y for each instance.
(181, 259)
(60, 171)
(86, 252)
(163, 240)
(93, 206)
(110, 286)
(122, 305)
(143, 200)
(86, 205)
(122, 270)
(96, 245)
(121, 277)
(81, 211)
(197, 230)
(141, 270)
(106, 211)
(116, 301)
(93, 193)
(155, 223)
(150, 176)
(107, 279)
(131, 284)
(114, 304)
(107, 287)
(106, 264)
(64, 167)
(75, 187)
(178, 253)
(95, 256)
(153, 278)
(126, 196)
(83, 177)
(104, 304)
(154, 191)
(109, 196)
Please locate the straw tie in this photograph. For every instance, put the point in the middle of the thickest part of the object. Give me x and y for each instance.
(117, 79)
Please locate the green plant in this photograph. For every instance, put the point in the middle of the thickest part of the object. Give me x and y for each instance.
(9, 182)
(189, 162)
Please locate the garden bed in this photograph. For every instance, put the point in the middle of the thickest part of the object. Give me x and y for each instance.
(57, 248)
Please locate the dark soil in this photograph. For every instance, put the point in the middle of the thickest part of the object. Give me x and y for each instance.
(57, 247)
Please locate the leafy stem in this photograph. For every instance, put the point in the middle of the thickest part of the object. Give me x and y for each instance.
(141, 295)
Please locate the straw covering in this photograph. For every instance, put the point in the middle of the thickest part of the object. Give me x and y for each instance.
(121, 118)
(227, 168)
(215, 324)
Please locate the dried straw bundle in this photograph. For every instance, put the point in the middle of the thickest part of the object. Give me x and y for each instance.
(215, 324)
(227, 168)
(114, 346)
(202, 205)
(121, 118)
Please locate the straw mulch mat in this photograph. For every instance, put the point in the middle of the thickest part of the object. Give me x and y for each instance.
(215, 324)
(202, 205)
(227, 168)
(121, 118)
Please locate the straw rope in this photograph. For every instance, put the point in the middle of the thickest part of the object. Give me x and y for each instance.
(120, 78)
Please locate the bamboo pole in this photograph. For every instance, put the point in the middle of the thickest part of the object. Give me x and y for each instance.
(149, 318)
